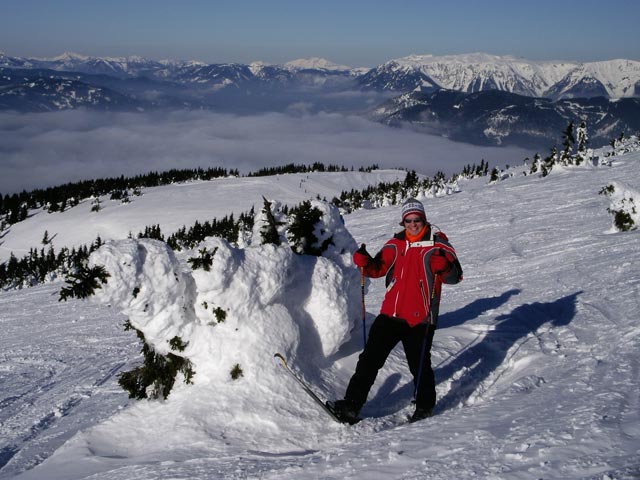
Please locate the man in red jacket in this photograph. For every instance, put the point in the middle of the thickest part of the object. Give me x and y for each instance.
(416, 261)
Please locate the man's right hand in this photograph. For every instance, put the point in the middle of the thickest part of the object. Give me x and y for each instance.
(440, 262)
(361, 257)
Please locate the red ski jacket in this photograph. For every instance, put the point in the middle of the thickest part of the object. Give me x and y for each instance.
(413, 289)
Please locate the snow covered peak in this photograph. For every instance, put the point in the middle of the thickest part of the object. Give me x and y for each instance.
(7, 61)
(70, 56)
(315, 63)
(621, 78)
(258, 66)
(469, 58)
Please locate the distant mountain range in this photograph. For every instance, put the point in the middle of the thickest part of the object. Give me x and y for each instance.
(501, 118)
(476, 98)
(481, 72)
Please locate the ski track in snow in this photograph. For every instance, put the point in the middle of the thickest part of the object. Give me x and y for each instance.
(535, 359)
(55, 384)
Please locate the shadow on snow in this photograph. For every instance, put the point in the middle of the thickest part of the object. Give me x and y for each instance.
(480, 360)
(486, 357)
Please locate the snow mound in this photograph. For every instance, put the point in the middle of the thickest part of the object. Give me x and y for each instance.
(626, 215)
(248, 303)
(147, 284)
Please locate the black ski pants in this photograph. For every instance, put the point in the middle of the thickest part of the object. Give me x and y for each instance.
(384, 335)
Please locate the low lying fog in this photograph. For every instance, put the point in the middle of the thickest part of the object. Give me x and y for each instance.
(47, 149)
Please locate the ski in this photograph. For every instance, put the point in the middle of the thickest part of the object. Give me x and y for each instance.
(306, 388)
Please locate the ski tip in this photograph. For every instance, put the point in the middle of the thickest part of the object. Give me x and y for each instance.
(281, 358)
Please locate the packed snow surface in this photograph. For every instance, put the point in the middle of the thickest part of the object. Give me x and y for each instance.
(536, 355)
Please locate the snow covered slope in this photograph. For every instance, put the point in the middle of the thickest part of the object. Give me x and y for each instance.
(175, 206)
(535, 358)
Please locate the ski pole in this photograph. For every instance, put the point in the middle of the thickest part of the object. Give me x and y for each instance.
(364, 328)
(424, 341)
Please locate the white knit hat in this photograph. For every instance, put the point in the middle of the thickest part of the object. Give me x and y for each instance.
(413, 206)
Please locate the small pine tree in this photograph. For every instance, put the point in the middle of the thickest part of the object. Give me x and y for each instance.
(536, 163)
(177, 344)
(411, 179)
(83, 282)
(549, 162)
(220, 314)
(236, 372)
(96, 205)
(154, 232)
(622, 216)
(204, 261)
(157, 375)
(568, 141)
(616, 143)
(97, 243)
(269, 232)
(622, 220)
(583, 140)
(301, 229)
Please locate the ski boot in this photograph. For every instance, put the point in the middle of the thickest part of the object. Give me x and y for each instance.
(345, 410)
(420, 414)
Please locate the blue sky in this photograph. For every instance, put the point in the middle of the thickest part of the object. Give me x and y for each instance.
(355, 33)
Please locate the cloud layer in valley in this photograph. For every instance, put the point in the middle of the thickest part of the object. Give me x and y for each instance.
(47, 149)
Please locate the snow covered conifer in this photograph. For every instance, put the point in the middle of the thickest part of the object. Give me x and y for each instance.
(549, 161)
(535, 164)
(568, 142)
(269, 230)
(623, 206)
(96, 205)
(582, 139)
(156, 376)
(204, 261)
(301, 231)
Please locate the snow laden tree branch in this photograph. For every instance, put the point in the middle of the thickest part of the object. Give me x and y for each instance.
(83, 282)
